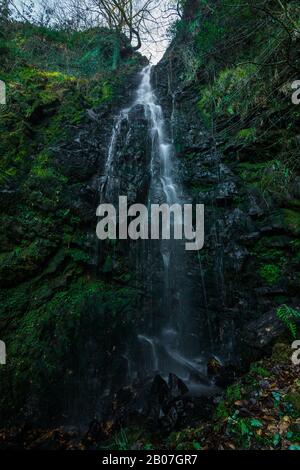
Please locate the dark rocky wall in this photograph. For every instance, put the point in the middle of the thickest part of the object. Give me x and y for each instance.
(247, 265)
(72, 308)
(67, 305)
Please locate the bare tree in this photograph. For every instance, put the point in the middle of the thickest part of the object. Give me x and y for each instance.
(123, 17)
(143, 22)
(126, 16)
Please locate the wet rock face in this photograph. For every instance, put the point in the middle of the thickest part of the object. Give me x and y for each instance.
(63, 252)
(261, 333)
(130, 172)
(259, 336)
(239, 275)
(82, 159)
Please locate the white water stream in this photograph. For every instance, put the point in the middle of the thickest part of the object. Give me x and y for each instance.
(163, 348)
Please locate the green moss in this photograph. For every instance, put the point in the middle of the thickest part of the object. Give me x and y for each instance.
(233, 392)
(24, 259)
(221, 411)
(251, 172)
(258, 370)
(272, 260)
(292, 221)
(78, 255)
(45, 341)
(187, 439)
(108, 265)
(229, 93)
(281, 352)
(51, 307)
(270, 273)
(247, 135)
(294, 399)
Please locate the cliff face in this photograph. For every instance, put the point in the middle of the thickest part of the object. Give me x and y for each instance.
(63, 315)
(236, 136)
(71, 309)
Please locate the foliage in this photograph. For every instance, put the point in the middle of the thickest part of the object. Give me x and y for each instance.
(253, 414)
(79, 53)
(241, 57)
(49, 294)
(231, 93)
(121, 440)
(234, 392)
(276, 177)
(288, 315)
(270, 273)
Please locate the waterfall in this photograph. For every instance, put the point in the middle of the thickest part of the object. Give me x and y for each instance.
(166, 340)
(162, 146)
(108, 184)
(150, 342)
(164, 188)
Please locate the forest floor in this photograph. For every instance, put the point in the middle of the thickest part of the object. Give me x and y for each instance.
(259, 411)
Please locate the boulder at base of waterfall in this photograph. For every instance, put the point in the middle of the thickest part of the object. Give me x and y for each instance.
(150, 401)
(166, 406)
(260, 335)
(171, 407)
(186, 411)
(261, 332)
(177, 386)
(160, 394)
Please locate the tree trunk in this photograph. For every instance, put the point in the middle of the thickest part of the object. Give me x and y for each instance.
(138, 38)
(116, 53)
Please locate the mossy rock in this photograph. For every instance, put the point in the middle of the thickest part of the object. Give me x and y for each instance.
(281, 352)
(294, 399)
(292, 221)
(287, 220)
(270, 273)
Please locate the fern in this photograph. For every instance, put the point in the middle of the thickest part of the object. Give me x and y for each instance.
(288, 315)
(121, 440)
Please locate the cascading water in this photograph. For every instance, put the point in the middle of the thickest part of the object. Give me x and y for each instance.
(169, 339)
(109, 183)
(167, 342)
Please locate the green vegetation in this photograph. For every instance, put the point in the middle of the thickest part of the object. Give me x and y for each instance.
(270, 273)
(62, 301)
(239, 59)
(46, 96)
(50, 291)
(288, 316)
(259, 412)
(242, 58)
(52, 336)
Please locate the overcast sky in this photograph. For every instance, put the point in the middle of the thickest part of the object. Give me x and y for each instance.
(155, 49)
(154, 44)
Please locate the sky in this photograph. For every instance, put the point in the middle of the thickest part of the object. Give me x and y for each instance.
(155, 49)
(155, 43)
